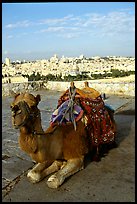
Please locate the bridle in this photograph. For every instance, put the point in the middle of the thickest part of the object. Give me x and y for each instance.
(30, 114)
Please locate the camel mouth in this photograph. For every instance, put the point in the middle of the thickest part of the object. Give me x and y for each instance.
(16, 126)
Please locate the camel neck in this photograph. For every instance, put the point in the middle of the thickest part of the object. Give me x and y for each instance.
(37, 127)
(33, 126)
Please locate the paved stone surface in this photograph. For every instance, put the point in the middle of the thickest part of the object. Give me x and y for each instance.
(111, 180)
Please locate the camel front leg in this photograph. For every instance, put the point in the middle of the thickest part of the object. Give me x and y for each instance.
(71, 167)
(41, 170)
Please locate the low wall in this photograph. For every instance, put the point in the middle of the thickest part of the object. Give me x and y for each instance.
(7, 88)
(118, 88)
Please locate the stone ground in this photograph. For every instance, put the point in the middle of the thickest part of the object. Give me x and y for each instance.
(110, 180)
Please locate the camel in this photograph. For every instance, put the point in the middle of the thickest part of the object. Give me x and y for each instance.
(60, 149)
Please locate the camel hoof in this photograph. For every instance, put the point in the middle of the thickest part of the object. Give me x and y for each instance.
(34, 177)
(54, 181)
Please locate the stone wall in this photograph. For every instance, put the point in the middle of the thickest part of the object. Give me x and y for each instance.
(15, 79)
(118, 88)
(21, 87)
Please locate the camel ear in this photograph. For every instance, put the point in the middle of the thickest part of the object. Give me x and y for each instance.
(38, 99)
(17, 94)
(13, 94)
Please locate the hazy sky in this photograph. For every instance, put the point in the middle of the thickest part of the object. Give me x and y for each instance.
(40, 30)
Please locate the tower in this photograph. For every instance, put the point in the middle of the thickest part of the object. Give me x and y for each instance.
(7, 61)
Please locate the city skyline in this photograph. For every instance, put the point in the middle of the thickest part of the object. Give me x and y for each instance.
(34, 31)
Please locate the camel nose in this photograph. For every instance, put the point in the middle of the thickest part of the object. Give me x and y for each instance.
(11, 106)
(13, 113)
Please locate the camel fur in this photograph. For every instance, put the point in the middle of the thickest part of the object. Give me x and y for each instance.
(60, 149)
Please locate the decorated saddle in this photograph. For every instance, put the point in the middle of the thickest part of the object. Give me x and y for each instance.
(86, 104)
(62, 116)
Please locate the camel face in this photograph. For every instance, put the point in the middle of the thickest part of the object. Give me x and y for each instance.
(19, 114)
(22, 108)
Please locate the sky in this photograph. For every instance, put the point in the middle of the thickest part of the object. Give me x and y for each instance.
(32, 31)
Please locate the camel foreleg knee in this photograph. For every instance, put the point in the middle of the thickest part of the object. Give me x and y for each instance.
(72, 166)
(55, 166)
(35, 174)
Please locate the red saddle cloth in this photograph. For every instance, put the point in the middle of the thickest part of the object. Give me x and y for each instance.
(60, 115)
(99, 124)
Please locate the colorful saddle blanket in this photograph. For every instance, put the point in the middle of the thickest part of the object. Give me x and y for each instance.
(65, 113)
(99, 125)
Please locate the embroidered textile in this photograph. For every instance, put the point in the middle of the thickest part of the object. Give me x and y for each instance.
(60, 114)
(99, 124)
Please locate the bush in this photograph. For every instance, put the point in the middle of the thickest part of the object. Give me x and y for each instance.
(114, 73)
(79, 77)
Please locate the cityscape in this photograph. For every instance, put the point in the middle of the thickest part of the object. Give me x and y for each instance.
(69, 38)
(64, 66)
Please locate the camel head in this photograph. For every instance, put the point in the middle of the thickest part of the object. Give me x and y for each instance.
(24, 109)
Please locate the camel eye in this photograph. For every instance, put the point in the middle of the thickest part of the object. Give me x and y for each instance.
(14, 108)
(11, 106)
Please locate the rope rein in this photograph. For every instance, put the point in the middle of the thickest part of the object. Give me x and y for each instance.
(72, 92)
